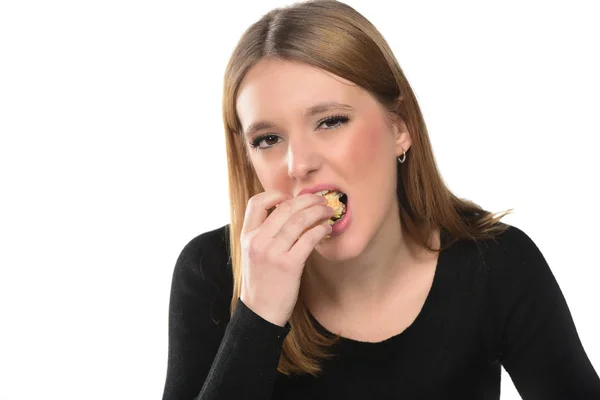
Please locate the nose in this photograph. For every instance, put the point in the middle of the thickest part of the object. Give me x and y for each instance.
(303, 157)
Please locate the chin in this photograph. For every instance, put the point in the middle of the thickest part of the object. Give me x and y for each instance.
(357, 237)
(347, 246)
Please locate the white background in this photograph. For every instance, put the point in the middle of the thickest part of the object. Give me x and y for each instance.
(112, 158)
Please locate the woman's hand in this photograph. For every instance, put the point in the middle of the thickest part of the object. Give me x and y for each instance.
(275, 248)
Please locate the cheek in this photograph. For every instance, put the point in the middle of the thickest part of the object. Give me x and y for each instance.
(367, 152)
(271, 177)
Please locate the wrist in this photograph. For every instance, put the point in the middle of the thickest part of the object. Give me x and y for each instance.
(264, 312)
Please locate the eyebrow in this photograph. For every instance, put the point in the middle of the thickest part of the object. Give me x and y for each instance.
(311, 111)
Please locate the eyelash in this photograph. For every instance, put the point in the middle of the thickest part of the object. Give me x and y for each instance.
(341, 119)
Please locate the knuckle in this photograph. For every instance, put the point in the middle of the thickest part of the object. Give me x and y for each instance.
(284, 263)
(253, 254)
(254, 247)
(273, 259)
(252, 201)
(299, 220)
(267, 253)
(277, 260)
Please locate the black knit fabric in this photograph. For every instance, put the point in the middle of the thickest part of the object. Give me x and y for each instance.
(493, 303)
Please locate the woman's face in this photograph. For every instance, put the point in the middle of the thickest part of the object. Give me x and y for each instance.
(351, 145)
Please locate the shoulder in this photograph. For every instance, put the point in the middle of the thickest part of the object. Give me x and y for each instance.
(514, 252)
(509, 261)
(514, 267)
(512, 245)
(213, 243)
(514, 239)
(204, 262)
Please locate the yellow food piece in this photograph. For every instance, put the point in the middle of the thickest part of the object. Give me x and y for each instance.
(333, 201)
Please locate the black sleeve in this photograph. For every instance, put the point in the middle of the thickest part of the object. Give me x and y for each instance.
(210, 356)
(540, 346)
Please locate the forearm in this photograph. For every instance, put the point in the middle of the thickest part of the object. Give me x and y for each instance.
(246, 363)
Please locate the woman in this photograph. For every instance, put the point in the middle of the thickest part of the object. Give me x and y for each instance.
(405, 291)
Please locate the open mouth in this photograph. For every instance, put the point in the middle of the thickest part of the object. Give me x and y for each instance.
(337, 201)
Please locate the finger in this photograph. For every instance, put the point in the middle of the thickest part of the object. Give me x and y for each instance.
(299, 224)
(287, 209)
(258, 208)
(301, 250)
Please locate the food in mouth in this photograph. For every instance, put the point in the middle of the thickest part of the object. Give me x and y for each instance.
(336, 200)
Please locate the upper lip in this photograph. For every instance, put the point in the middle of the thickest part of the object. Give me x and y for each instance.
(318, 188)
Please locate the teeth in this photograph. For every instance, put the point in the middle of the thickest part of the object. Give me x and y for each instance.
(324, 192)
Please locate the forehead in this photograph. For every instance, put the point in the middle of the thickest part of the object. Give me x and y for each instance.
(274, 87)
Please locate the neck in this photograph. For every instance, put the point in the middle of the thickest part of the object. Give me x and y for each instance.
(368, 279)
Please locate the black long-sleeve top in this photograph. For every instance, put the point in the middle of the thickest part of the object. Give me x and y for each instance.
(493, 303)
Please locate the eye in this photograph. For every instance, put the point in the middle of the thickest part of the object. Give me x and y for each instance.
(332, 122)
(335, 121)
(256, 143)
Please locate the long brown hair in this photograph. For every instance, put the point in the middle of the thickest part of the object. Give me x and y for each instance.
(334, 37)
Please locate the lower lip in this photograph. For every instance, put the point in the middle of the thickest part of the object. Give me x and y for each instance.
(342, 225)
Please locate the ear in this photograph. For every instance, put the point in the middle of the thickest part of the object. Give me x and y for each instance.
(401, 136)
